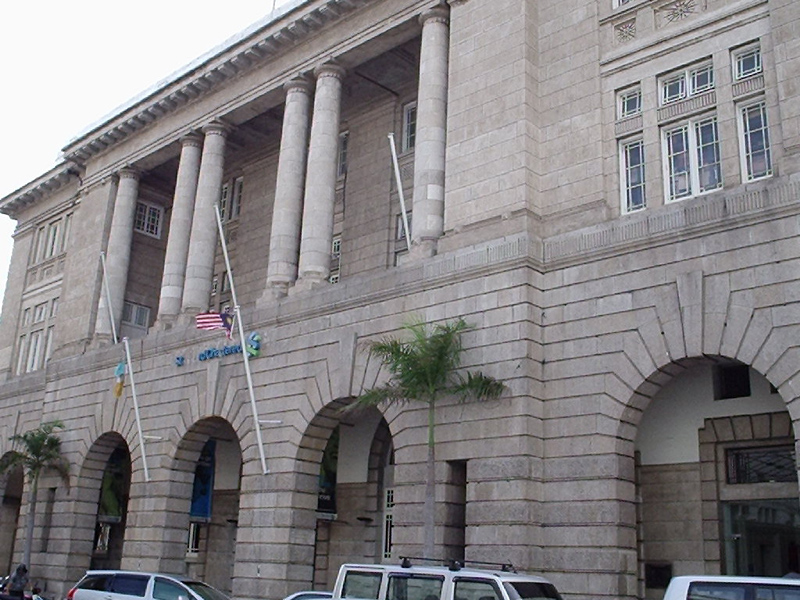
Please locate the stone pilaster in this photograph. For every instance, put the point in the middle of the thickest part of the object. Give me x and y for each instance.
(203, 239)
(118, 253)
(180, 227)
(429, 149)
(320, 188)
(284, 242)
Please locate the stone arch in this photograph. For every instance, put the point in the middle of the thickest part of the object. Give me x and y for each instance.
(89, 483)
(354, 532)
(212, 559)
(12, 485)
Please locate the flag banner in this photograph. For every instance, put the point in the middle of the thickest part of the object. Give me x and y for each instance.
(119, 374)
(215, 321)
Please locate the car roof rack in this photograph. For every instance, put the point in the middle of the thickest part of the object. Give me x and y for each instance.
(457, 565)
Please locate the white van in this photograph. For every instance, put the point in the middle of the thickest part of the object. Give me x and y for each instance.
(729, 587)
(419, 582)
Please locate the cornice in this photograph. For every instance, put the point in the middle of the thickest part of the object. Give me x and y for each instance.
(260, 43)
(45, 185)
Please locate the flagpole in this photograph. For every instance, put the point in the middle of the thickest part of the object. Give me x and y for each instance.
(136, 407)
(108, 298)
(128, 362)
(245, 356)
(400, 190)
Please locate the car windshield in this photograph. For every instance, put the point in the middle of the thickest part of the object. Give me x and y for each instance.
(205, 591)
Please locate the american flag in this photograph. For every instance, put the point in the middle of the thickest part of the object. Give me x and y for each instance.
(214, 320)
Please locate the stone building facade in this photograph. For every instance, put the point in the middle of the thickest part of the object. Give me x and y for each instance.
(607, 190)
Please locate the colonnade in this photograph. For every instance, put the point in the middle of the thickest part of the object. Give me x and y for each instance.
(303, 210)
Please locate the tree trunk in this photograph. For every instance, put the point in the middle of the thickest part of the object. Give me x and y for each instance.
(429, 508)
(29, 520)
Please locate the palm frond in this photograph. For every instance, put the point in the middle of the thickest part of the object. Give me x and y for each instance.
(477, 386)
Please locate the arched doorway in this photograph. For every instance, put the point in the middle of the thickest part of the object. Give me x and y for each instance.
(112, 505)
(355, 495)
(9, 516)
(716, 477)
(212, 459)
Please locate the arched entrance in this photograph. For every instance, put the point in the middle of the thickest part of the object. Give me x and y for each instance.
(716, 477)
(210, 461)
(9, 516)
(354, 501)
(107, 471)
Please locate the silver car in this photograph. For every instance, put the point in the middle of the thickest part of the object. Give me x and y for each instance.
(138, 585)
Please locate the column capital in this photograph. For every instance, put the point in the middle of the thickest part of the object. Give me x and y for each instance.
(300, 83)
(329, 69)
(192, 139)
(129, 173)
(217, 127)
(437, 14)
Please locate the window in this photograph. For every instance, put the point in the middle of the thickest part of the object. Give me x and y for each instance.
(341, 169)
(400, 230)
(39, 312)
(334, 277)
(33, 351)
(747, 62)
(632, 167)
(692, 159)
(195, 530)
(21, 355)
(223, 201)
(761, 465)
(148, 219)
(53, 307)
(755, 150)
(361, 584)
(26, 317)
(48, 346)
(731, 381)
(52, 245)
(214, 285)
(388, 522)
(414, 587)
(67, 231)
(336, 247)
(136, 314)
(236, 199)
(40, 243)
(163, 589)
(629, 103)
(409, 126)
(684, 84)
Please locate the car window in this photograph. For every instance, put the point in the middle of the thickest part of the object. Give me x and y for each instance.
(531, 590)
(361, 584)
(205, 591)
(476, 589)
(130, 585)
(414, 587)
(163, 589)
(95, 582)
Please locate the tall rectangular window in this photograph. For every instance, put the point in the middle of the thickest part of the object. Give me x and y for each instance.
(148, 219)
(40, 244)
(48, 346)
(52, 245)
(33, 351)
(224, 200)
(692, 159)
(67, 231)
(236, 198)
(21, 355)
(341, 168)
(409, 126)
(755, 146)
(632, 165)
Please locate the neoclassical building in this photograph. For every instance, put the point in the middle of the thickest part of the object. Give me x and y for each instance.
(608, 191)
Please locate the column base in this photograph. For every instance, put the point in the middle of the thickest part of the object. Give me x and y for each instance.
(164, 322)
(423, 249)
(308, 282)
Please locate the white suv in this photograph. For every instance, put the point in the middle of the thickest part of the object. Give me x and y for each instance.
(420, 582)
(136, 585)
(730, 587)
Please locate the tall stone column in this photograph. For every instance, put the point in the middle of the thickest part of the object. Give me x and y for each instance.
(284, 241)
(203, 239)
(180, 227)
(320, 189)
(118, 254)
(429, 148)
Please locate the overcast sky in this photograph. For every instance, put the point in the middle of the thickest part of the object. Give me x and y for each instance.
(65, 65)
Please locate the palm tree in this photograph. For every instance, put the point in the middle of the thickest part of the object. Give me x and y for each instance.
(424, 369)
(38, 450)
